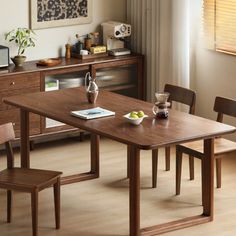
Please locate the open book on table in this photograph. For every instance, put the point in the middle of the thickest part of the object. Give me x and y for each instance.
(92, 113)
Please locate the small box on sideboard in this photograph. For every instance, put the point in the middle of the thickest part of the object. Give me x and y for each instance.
(4, 56)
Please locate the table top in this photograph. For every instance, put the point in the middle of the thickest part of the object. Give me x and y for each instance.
(151, 134)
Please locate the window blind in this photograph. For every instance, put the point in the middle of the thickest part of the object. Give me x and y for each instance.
(219, 20)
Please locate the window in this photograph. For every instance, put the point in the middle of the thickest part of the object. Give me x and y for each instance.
(219, 20)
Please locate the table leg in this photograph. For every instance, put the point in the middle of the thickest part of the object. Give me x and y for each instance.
(94, 152)
(207, 189)
(25, 144)
(128, 160)
(94, 160)
(208, 177)
(134, 191)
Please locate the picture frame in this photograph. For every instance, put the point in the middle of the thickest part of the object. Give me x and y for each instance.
(56, 13)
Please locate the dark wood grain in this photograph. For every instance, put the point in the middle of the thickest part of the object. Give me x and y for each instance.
(31, 66)
(14, 117)
(134, 191)
(174, 225)
(223, 106)
(34, 212)
(179, 95)
(12, 92)
(14, 85)
(154, 167)
(9, 204)
(24, 179)
(18, 82)
(208, 177)
(94, 149)
(151, 134)
(57, 203)
(25, 145)
(31, 78)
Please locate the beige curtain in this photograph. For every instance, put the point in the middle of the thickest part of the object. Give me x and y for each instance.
(160, 32)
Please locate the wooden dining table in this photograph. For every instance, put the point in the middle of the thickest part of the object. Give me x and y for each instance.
(151, 134)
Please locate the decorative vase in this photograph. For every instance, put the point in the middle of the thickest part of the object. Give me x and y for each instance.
(18, 60)
(91, 88)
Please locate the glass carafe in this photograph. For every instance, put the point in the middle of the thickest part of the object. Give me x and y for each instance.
(160, 109)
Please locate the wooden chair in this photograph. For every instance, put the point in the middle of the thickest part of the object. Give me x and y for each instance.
(222, 106)
(27, 180)
(183, 96)
(180, 95)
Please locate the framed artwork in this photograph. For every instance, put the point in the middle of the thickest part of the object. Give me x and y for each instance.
(54, 13)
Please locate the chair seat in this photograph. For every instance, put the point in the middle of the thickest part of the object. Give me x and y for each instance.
(222, 146)
(27, 179)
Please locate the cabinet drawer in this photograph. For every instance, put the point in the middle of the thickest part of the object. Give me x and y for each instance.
(22, 81)
(14, 117)
(11, 92)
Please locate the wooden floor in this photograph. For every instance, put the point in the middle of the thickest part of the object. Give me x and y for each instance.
(100, 207)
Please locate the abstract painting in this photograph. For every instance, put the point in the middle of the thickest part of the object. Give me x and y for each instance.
(54, 13)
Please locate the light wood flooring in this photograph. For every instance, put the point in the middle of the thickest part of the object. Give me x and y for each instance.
(100, 207)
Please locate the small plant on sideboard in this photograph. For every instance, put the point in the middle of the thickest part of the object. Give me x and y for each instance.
(23, 38)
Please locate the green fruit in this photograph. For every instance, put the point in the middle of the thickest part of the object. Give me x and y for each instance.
(140, 114)
(134, 115)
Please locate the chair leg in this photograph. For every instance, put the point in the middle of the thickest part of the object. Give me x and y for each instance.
(128, 161)
(191, 167)
(218, 172)
(179, 155)
(57, 205)
(34, 208)
(154, 167)
(167, 152)
(9, 208)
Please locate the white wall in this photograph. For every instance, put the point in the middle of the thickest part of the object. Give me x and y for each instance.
(213, 74)
(51, 42)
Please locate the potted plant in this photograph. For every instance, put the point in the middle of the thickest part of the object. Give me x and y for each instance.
(23, 37)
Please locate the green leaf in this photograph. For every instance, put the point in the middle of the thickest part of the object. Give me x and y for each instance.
(22, 37)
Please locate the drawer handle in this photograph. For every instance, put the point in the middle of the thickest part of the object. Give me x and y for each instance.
(12, 83)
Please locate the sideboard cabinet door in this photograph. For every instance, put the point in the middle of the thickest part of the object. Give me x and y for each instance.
(15, 85)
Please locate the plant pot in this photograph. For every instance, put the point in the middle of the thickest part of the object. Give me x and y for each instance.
(18, 60)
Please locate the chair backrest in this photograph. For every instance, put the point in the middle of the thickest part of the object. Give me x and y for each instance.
(6, 135)
(224, 106)
(181, 95)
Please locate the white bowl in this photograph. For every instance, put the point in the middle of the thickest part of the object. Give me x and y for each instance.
(134, 121)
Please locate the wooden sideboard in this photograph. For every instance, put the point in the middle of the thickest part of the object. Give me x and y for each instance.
(123, 74)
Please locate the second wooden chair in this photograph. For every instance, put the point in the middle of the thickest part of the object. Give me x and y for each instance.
(180, 95)
(223, 106)
(27, 180)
